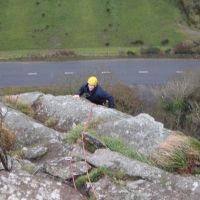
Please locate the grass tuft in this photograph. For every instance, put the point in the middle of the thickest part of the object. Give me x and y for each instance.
(97, 173)
(179, 153)
(74, 134)
(19, 105)
(119, 146)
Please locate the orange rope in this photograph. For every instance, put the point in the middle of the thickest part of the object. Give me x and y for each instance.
(83, 145)
(71, 171)
(84, 153)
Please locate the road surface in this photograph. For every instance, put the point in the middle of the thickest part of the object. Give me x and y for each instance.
(128, 71)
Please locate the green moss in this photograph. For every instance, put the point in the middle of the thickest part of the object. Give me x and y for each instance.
(17, 154)
(98, 173)
(28, 168)
(50, 122)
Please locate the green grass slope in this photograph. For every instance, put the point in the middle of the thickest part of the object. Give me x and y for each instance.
(50, 24)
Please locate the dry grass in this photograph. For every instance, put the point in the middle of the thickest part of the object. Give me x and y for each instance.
(19, 105)
(11, 99)
(179, 87)
(178, 153)
(177, 103)
(7, 139)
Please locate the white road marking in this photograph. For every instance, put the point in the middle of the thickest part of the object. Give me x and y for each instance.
(180, 72)
(106, 72)
(32, 73)
(69, 73)
(143, 72)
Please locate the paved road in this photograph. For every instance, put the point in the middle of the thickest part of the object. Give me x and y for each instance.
(129, 71)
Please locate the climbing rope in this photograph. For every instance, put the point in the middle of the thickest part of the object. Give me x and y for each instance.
(71, 170)
(86, 125)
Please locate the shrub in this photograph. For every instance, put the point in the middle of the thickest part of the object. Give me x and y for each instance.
(47, 27)
(183, 49)
(108, 10)
(130, 53)
(137, 42)
(43, 14)
(107, 44)
(178, 88)
(168, 51)
(192, 119)
(150, 50)
(175, 103)
(196, 49)
(191, 9)
(164, 42)
(173, 106)
(126, 98)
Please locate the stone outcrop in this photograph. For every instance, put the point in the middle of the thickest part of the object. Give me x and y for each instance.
(20, 186)
(168, 185)
(141, 133)
(27, 130)
(108, 189)
(44, 164)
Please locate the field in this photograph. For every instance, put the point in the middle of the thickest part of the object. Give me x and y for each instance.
(74, 24)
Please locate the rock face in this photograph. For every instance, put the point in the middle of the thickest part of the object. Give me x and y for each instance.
(44, 164)
(153, 183)
(64, 169)
(27, 130)
(34, 152)
(20, 186)
(107, 189)
(141, 133)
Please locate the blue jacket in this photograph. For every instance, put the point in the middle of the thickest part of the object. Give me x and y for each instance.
(97, 95)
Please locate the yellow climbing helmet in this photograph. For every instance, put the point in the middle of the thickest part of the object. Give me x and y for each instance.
(92, 81)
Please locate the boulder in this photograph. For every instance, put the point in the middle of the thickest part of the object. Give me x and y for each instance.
(27, 130)
(34, 152)
(20, 185)
(65, 168)
(141, 133)
(189, 185)
(108, 189)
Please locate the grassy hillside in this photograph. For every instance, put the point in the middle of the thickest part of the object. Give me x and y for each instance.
(49, 24)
